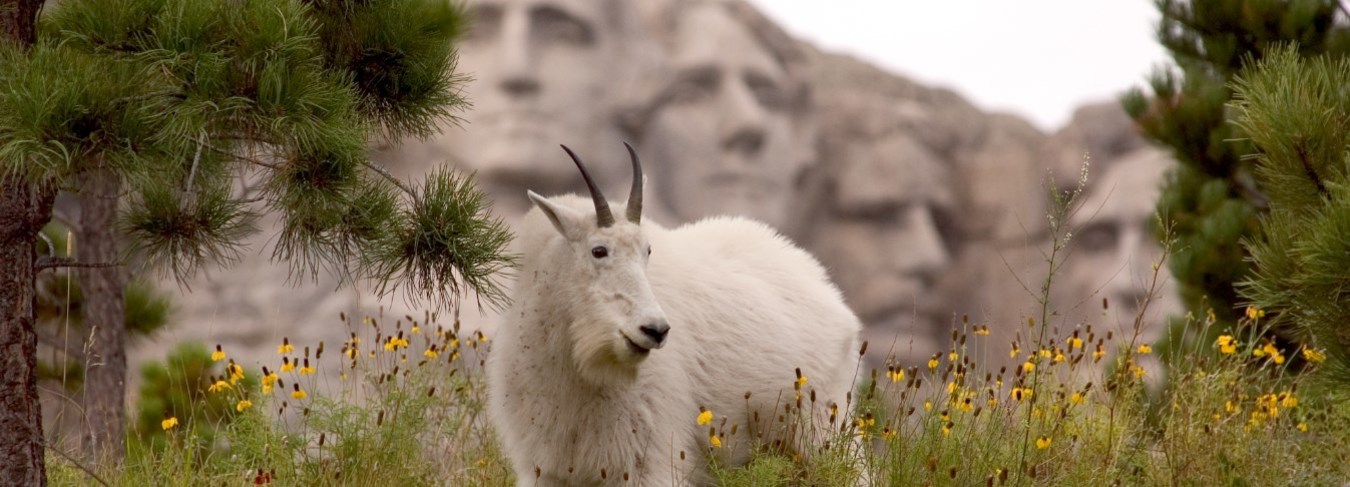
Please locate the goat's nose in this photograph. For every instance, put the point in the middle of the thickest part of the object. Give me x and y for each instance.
(656, 331)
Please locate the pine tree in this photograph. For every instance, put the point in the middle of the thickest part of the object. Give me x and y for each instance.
(184, 120)
(1297, 115)
(1211, 200)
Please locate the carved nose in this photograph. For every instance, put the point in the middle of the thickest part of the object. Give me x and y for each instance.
(656, 331)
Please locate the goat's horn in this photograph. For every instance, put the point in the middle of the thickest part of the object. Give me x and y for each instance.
(603, 217)
(635, 195)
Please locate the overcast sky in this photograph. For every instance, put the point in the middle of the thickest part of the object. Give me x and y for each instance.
(1035, 58)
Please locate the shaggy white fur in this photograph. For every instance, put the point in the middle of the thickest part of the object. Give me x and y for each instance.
(580, 396)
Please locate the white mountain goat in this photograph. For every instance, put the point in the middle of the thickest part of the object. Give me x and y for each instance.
(579, 391)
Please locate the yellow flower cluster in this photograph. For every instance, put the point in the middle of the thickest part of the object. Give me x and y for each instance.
(1270, 350)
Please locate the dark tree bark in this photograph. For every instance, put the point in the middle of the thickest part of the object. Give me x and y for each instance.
(18, 20)
(24, 208)
(104, 316)
(23, 211)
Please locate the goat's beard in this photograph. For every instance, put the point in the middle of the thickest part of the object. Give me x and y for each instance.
(601, 355)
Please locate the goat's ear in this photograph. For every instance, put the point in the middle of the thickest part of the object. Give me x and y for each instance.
(567, 221)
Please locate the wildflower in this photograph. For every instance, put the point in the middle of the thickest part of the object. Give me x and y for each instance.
(801, 381)
(306, 369)
(287, 365)
(1314, 356)
(297, 393)
(243, 404)
(1303, 427)
(395, 343)
(415, 329)
(269, 379)
(481, 337)
(1254, 313)
(714, 441)
(982, 330)
(1059, 356)
(928, 405)
(1288, 400)
(285, 347)
(1075, 342)
(947, 428)
(933, 363)
(1227, 345)
(217, 355)
(889, 434)
(1098, 354)
(1029, 367)
(218, 386)
(431, 352)
(1138, 371)
(1015, 351)
(1145, 349)
(1020, 393)
(895, 374)
(1044, 353)
(952, 356)
(236, 372)
(704, 416)
(1076, 398)
(966, 405)
(169, 423)
(1043, 442)
(1271, 350)
(1230, 407)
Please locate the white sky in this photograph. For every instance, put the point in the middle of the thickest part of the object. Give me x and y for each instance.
(1035, 58)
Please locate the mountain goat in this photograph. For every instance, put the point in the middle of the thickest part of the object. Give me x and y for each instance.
(622, 332)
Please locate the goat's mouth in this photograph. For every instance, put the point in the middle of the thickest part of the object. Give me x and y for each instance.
(635, 348)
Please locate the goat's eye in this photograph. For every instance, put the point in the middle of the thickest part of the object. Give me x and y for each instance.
(599, 252)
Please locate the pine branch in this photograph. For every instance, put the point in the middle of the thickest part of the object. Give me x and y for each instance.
(382, 172)
(1310, 171)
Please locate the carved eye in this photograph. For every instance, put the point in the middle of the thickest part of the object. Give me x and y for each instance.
(649, 251)
(599, 252)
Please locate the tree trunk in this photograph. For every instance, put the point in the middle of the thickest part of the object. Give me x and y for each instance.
(24, 208)
(18, 20)
(104, 317)
(23, 211)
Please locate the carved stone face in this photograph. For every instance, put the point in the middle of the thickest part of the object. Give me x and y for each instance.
(886, 235)
(542, 74)
(721, 129)
(1114, 247)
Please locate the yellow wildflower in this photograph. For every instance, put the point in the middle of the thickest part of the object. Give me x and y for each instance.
(287, 365)
(947, 428)
(169, 423)
(1014, 351)
(1044, 352)
(1020, 393)
(1075, 342)
(895, 374)
(1138, 371)
(1043, 442)
(297, 393)
(1145, 349)
(431, 352)
(1227, 345)
(243, 404)
(395, 343)
(1029, 367)
(952, 356)
(1254, 313)
(285, 347)
(1076, 398)
(236, 372)
(704, 416)
(1288, 400)
(415, 329)
(1303, 427)
(218, 386)
(801, 381)
(1230, 407)
(217, 355)
(1098, 354)
(982, 330)
(1059, 356)
(714, 441)
(928, 405)
(933, 363)
(306, 369)
(1314, 356)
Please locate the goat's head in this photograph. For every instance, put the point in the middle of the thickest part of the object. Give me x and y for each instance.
(615, 319)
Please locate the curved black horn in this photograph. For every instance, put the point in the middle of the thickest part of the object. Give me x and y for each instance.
(603, 217)
(635, 195)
